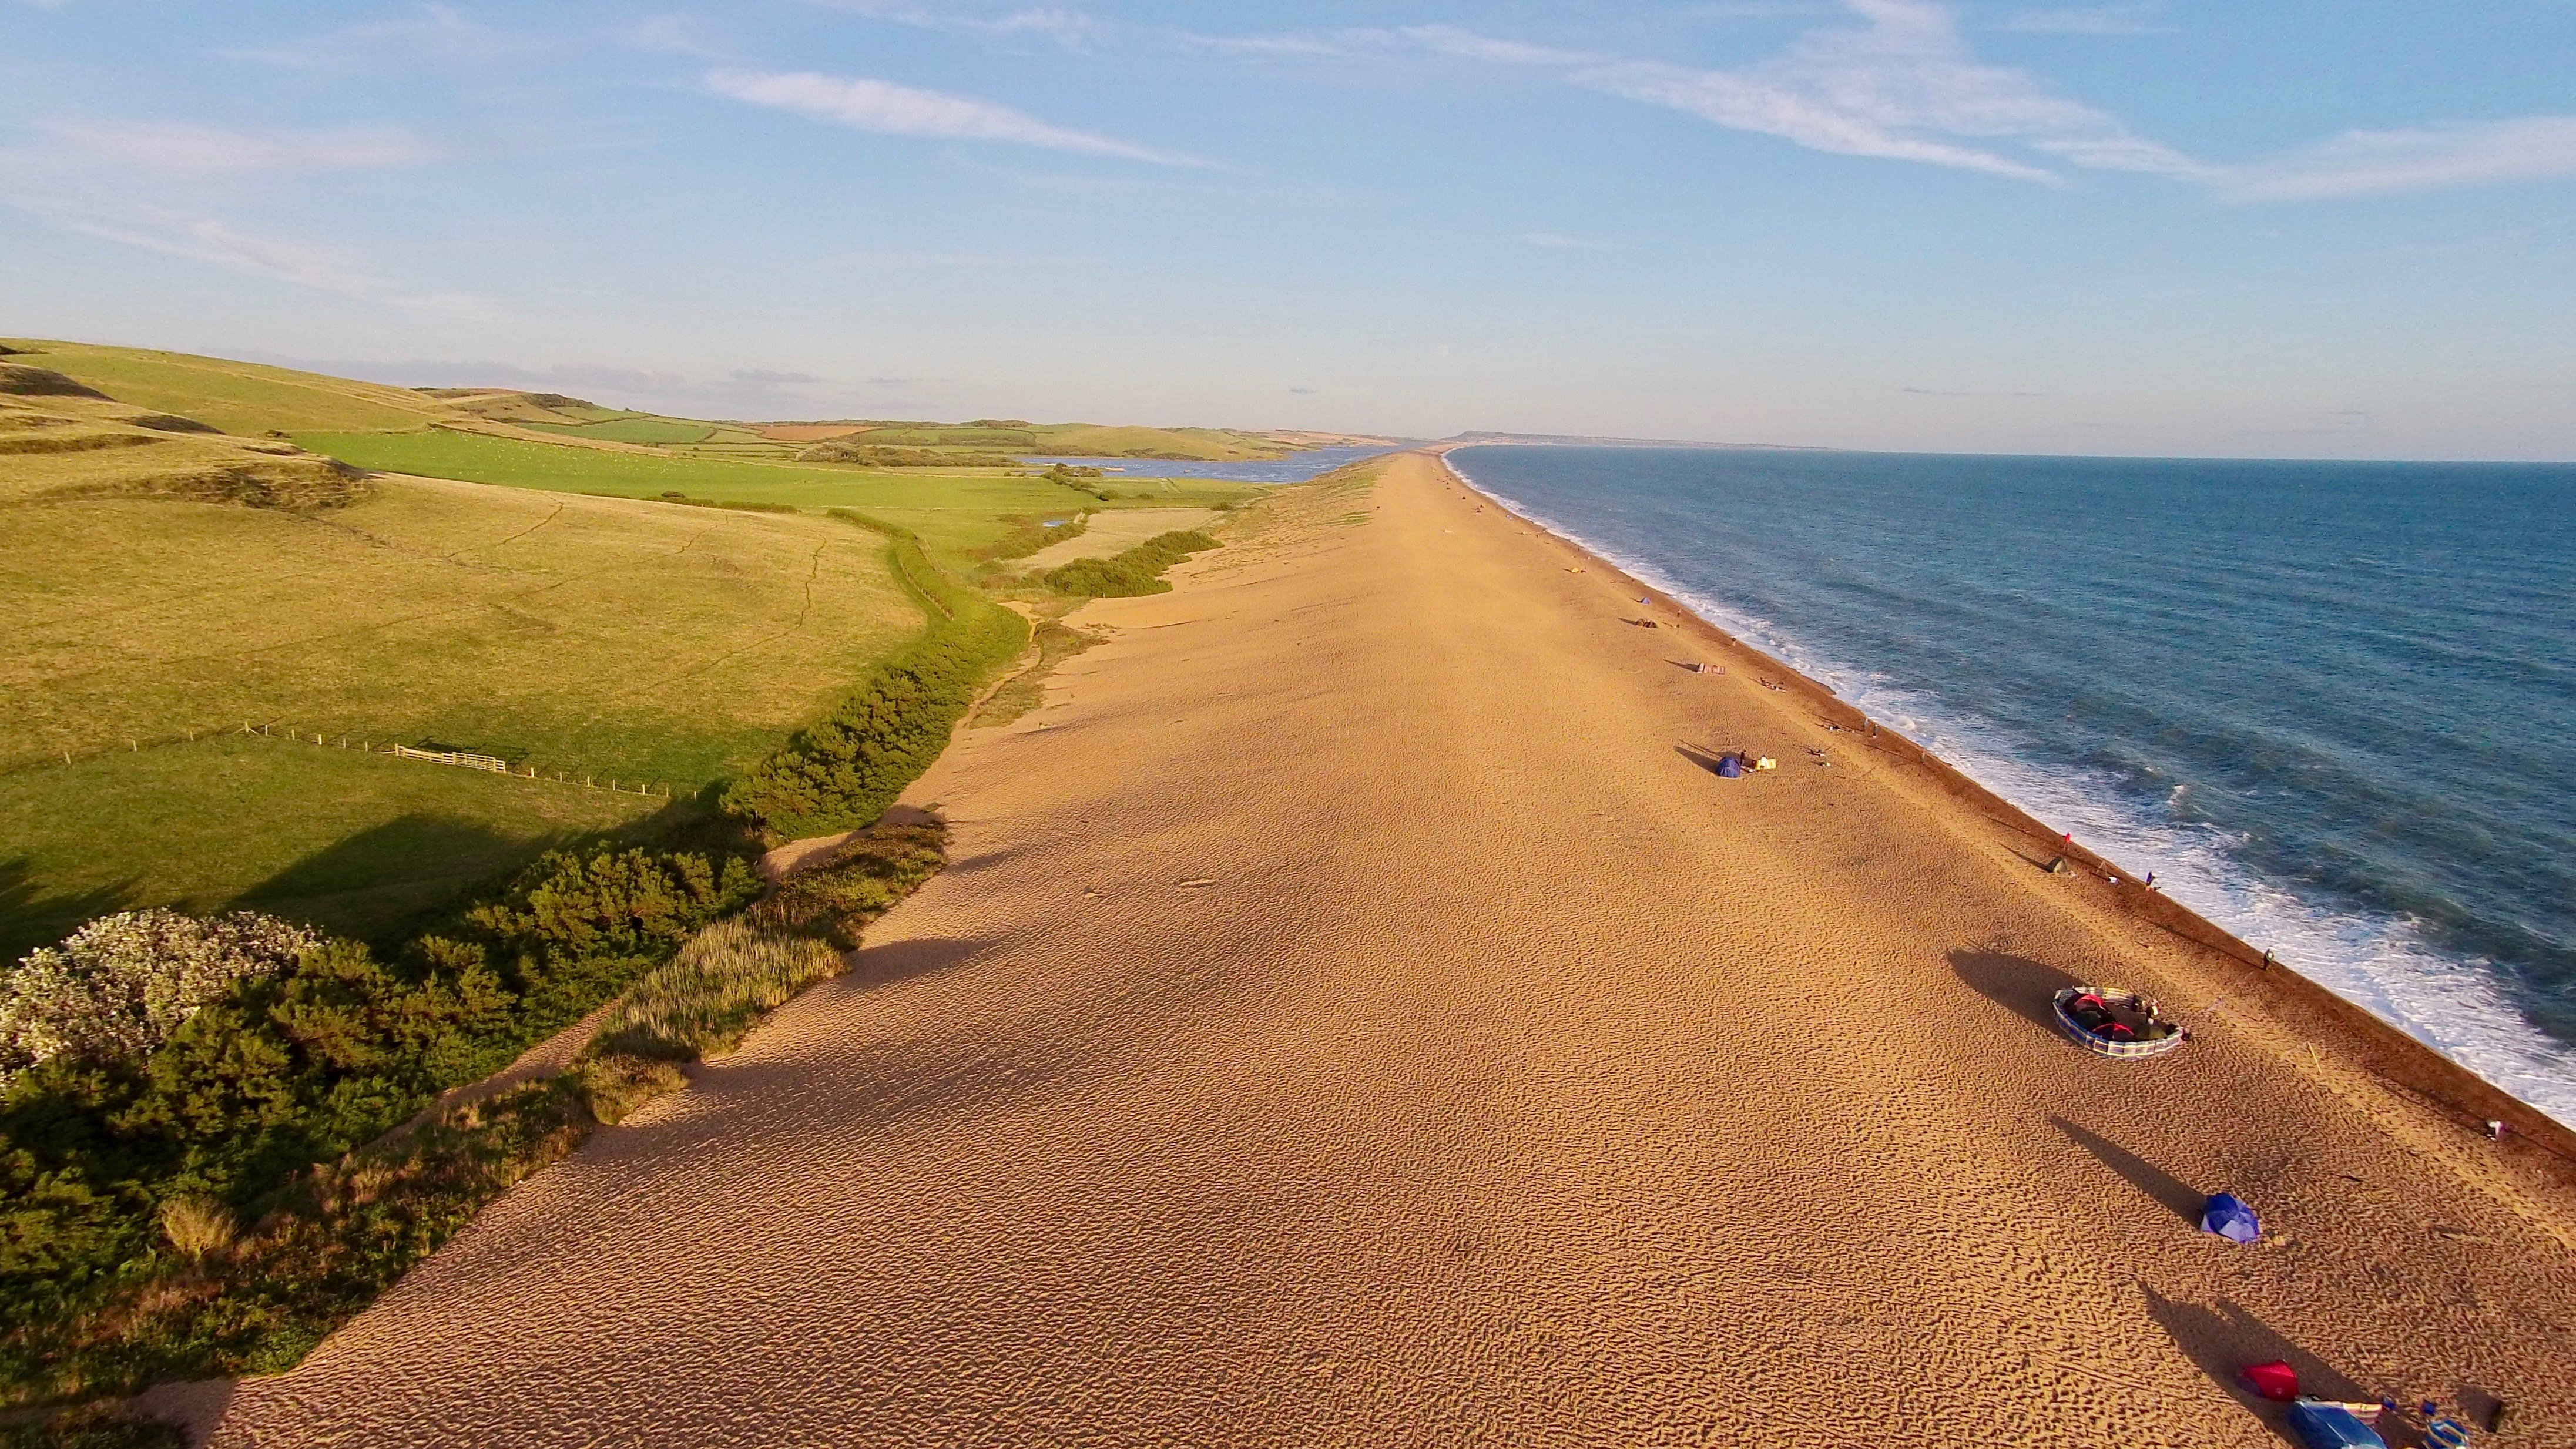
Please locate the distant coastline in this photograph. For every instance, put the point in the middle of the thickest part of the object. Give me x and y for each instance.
(1576, 440)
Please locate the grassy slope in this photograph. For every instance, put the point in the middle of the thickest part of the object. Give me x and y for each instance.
(249, 398)
(626, 639)
(238, 397)
(601, 636)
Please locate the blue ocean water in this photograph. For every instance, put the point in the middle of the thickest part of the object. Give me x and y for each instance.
(2331, 705)
(1295, 468)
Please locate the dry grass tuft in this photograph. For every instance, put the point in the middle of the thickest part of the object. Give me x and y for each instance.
(198, 1228)
(833, 899)
(615, 1085)
(701, 1002)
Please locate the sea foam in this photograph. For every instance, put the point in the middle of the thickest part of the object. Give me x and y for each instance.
(2381, 961)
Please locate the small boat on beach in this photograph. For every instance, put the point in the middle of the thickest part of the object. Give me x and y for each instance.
(2116, 1023)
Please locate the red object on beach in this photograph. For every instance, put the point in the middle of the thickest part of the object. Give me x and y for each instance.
(2276, 1380)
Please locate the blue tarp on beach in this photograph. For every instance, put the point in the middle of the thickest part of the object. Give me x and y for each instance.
(2230, 1218)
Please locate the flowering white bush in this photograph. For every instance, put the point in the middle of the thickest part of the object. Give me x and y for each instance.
(121, 985)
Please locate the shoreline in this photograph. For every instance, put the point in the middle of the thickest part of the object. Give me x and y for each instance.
(2387, 1050)
(1355, 1013)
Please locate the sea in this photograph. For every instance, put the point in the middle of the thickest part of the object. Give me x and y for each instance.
(2331, 705)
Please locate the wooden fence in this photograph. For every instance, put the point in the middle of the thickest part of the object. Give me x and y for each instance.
(466, 760)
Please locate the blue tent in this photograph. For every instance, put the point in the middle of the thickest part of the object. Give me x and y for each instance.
(1731, 767)
(2230, 1218)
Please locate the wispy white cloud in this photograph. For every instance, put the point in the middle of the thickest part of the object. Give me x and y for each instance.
(895, 110)
(430, 31)
(185, 149)
(2428, 158)
(162, 186)
(674, 34)
(1467, 45)
(213, 240)
(2141, 18)
(1903, 86)
(1073, 29)
(1892, 79)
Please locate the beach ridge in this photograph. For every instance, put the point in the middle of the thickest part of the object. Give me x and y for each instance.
(1355, 1012)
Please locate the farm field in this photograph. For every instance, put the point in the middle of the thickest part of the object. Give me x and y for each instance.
(955, 512)
(643, 641)
(347, 841)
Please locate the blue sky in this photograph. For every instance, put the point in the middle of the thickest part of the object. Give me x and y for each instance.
(2306, 229)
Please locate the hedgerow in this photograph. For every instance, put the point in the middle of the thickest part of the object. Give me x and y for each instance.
(1138, 570)
(842, 773)
(117, 1170)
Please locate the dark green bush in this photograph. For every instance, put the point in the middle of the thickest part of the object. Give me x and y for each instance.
(302, 1068)
(91, 1426)
(1138, 570)
(842, 773)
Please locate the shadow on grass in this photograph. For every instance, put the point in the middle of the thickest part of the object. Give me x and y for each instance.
(2181, 1197)
(2224, 1339)
(2024, 985)
(379, 883)
(31, 917)
(388, 881)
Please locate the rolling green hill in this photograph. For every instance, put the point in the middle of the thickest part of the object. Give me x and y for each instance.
(177, 570)
(244, 398)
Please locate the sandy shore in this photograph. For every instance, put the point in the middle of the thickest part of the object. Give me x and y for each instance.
(1354, 1017)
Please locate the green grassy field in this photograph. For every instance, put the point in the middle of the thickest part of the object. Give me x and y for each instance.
(955, 512)
(348, 841)
(641, 641)
(638, 639)
(166, 587)
(655, 431)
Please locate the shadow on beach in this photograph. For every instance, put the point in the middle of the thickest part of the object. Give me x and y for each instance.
(903, 960)
(2018, 982)
(2223, 1339)
(1704, 758)
(985, 861)
(2185, 1200)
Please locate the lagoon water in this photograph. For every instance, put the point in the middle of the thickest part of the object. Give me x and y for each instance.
(2331, 705)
